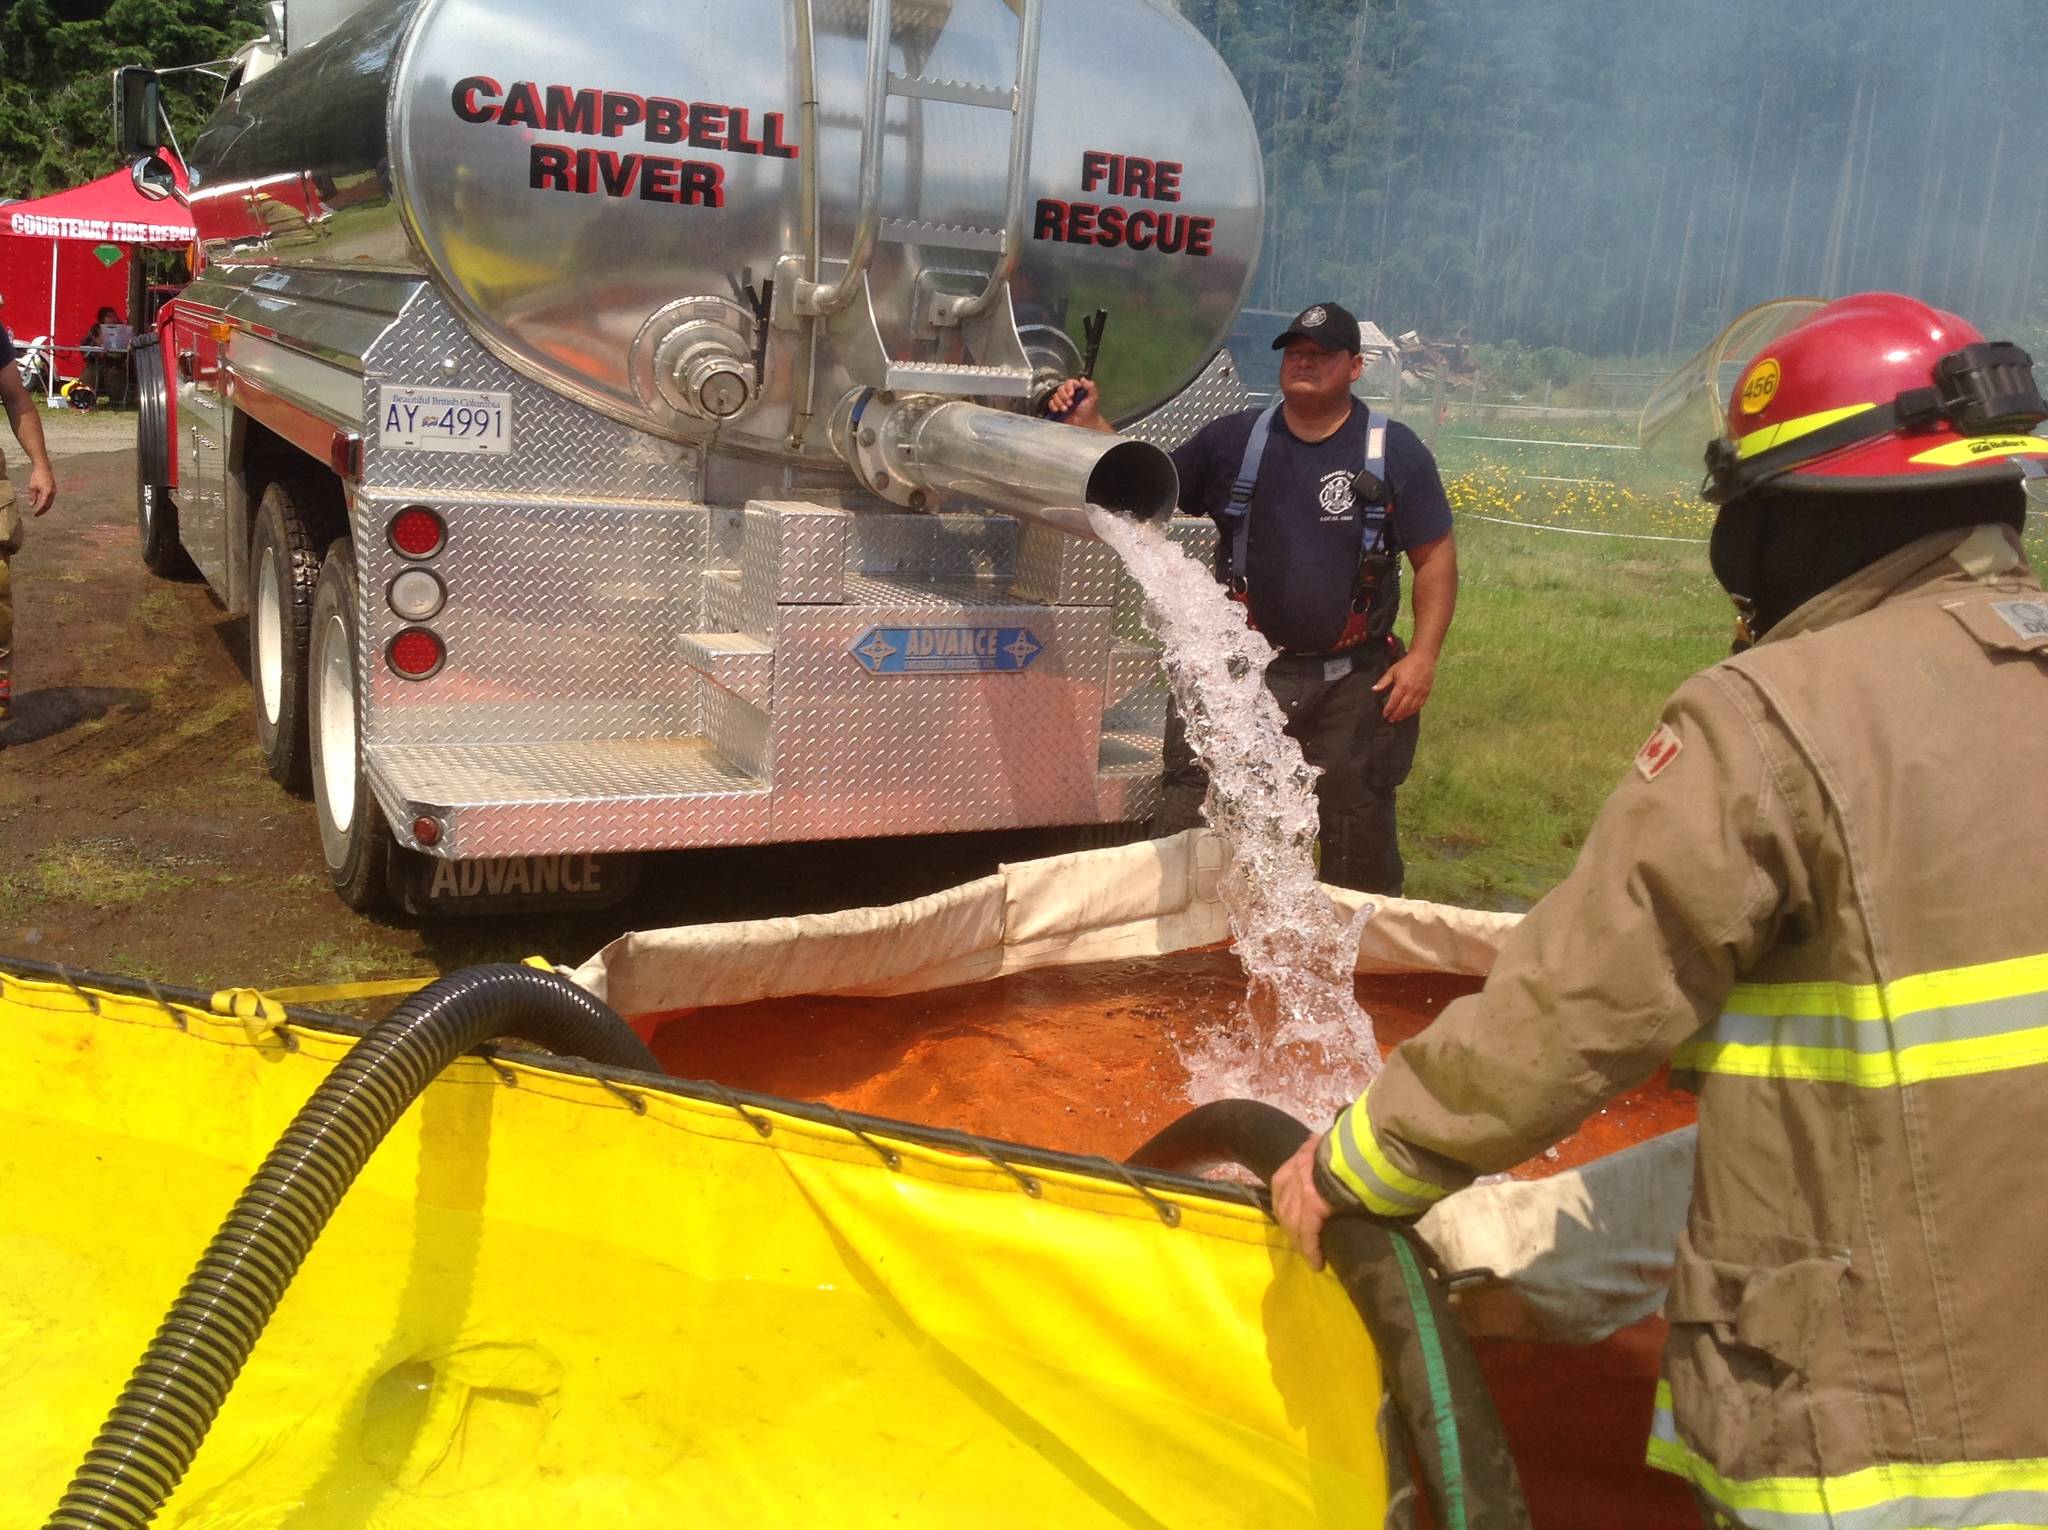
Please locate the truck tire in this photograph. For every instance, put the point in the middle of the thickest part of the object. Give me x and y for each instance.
(354, 839)
(294, 525)
(156, 516)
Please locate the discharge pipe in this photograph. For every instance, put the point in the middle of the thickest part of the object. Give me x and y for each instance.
(169, 1404)
(914, 448)
(1392, 1279)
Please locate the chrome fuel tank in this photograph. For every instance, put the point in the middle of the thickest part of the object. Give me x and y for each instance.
(586, 187)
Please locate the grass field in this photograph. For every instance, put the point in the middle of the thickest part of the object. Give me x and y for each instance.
(1562, 652)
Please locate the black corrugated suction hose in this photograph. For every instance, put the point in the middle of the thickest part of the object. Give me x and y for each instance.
(170, 1402)
(1392, 1278)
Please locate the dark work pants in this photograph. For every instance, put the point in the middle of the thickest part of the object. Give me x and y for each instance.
(1341, 728)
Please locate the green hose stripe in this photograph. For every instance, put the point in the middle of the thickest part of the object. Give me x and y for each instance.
(1439, 1385)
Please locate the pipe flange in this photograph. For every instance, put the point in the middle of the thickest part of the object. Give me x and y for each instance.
(695, 357)
(874, 432)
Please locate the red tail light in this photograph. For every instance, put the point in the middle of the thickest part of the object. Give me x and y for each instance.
(415, 654)
(417, 532)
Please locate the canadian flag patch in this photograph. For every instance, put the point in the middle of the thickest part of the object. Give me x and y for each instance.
(1662, 748)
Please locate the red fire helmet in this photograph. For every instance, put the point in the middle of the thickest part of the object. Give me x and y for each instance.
(1878, 392)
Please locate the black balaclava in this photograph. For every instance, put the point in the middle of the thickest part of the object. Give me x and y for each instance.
(1776, 548)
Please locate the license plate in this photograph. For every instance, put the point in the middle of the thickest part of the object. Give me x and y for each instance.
(443, 420)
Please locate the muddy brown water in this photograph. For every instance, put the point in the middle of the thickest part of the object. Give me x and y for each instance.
(1083, 1059)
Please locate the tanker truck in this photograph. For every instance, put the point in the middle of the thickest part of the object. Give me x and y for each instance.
(621, 429)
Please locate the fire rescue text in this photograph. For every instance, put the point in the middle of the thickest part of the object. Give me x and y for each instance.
(1110, 227)
(610, 114)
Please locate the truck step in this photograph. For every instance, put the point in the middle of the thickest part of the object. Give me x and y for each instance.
(595, 795)
(960, 380)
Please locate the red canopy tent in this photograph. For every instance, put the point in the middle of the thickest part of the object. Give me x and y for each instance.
(91, 232)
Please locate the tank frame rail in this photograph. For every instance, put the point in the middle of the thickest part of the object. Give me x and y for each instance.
(631, 1088)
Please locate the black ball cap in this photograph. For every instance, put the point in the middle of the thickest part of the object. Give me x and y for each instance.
(1329, 326)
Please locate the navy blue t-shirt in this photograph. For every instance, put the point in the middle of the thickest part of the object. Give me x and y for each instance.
(1303, 546)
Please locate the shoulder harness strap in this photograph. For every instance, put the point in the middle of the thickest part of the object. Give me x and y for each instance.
(1373, 488)
(1238, 509)
(1372, 484)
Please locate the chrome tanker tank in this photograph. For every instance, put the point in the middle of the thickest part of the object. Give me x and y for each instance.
(660, 387)
(713, 222)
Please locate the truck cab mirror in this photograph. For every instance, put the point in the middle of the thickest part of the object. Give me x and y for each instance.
(139, 105)
(154, 177)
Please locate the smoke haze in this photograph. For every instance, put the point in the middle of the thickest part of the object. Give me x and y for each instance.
(1623, 176)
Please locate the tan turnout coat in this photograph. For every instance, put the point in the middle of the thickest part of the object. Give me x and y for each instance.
(1822, 894)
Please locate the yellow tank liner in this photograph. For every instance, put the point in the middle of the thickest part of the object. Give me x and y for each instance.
(564, 1296)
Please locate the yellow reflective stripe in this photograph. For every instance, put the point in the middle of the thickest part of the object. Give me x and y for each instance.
(1945, 1491)
(1968, 1020)
(1791, 430)
(2010, 979)
(1983, 448)
(1826, 1065)
(1358, 1160)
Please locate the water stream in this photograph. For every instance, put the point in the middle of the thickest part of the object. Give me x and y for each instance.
(1303, 1042)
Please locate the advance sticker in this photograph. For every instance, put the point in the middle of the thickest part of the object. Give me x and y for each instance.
(443, 420)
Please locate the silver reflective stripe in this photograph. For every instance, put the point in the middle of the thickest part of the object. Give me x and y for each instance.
(1988, 1511)
(1378, 1194)
(1843, 1033)
(1663, 1423)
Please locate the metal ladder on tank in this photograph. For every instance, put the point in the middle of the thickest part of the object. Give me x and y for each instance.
(986, 319)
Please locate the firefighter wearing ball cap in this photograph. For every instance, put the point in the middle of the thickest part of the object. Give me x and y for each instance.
(1316, 500)
(1816, 895)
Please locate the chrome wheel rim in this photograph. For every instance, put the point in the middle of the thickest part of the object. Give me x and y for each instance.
(336, 678)
(270, 640)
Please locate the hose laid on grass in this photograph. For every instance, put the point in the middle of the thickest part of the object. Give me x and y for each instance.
(1392, 1279)
(170, 1402)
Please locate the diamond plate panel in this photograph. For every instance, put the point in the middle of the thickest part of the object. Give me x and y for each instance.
(976, 547)
(1140, 714)
(595, 796)
(859, 754)
(1132, 666)
(1212, 395)
(728, 531)
(884, 598)
(795, 554)
(558, 446)
(1128, 798)
(1064, 571)
(905, 546)
(1128, 783)
(561, 622)
(735, 661)
(722, 610)
(739, 732)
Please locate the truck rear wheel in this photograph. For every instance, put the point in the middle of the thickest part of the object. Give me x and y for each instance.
(354, 839)
(156, 517)
(293, 528)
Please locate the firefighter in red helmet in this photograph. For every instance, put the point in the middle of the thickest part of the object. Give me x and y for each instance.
(1816, 896)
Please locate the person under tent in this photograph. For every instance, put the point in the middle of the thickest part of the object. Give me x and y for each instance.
(103, 356)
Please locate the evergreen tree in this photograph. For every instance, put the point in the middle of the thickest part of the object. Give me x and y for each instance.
(57, 60)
